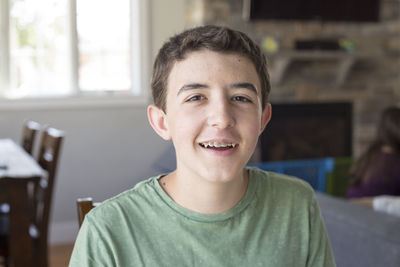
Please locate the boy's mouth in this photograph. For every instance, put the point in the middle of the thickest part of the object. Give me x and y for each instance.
(218, 145)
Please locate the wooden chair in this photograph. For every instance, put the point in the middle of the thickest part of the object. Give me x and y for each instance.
(42, 195)
(49, 152)
(84, 205)
(30, 129)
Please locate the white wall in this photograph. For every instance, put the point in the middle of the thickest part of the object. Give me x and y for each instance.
(168, 18)
(107, 149)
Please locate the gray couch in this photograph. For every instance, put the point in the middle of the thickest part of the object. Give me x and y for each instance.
(358, 235)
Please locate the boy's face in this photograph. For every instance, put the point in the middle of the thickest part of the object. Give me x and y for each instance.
(214, 114)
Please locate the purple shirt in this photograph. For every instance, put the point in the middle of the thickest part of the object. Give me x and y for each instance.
(378, 185)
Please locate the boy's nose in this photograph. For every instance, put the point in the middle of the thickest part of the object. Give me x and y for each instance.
(221, 115)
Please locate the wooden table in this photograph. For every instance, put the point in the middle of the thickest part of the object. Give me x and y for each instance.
(19, 172)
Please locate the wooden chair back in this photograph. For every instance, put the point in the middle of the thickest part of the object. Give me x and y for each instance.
(84, 205)
(49, 152)
(30, 130)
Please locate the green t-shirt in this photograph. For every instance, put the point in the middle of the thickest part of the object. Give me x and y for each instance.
(277, 223)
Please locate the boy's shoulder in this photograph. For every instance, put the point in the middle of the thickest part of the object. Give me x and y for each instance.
(281, 184)
(142, 192)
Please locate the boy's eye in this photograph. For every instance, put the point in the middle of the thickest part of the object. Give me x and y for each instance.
(195, 98)
(241, 99)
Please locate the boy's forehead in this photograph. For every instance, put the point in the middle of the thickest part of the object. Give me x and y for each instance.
(210, 52)
(198, 57)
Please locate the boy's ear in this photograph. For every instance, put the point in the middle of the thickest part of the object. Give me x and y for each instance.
(158, 121)
(265, 116)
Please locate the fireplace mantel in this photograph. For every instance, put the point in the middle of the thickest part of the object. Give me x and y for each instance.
(345, 60)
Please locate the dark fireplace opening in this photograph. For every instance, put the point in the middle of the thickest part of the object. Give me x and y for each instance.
(307, 130)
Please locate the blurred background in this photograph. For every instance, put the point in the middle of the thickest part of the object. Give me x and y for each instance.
(84, 67)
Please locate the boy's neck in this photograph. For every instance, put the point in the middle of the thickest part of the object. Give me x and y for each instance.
(205, 197)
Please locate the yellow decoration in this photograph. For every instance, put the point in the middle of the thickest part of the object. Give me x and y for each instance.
(270, 45)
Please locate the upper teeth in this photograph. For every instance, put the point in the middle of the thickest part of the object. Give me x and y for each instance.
(216, 144)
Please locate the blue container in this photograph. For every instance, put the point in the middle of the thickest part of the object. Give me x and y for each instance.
(314, 171)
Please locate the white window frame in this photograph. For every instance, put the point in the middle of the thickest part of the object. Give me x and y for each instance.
(140, 76)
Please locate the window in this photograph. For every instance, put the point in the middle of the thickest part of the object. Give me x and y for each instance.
(71, 47)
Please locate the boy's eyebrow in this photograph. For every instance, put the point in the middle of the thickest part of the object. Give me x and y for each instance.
(191, 86)
(245, 85)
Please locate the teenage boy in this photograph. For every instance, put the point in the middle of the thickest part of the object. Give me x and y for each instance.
(210, 88)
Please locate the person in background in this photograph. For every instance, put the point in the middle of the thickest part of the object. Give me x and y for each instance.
(377, 171)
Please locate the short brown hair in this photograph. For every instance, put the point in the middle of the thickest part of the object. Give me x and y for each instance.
(214, 38)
